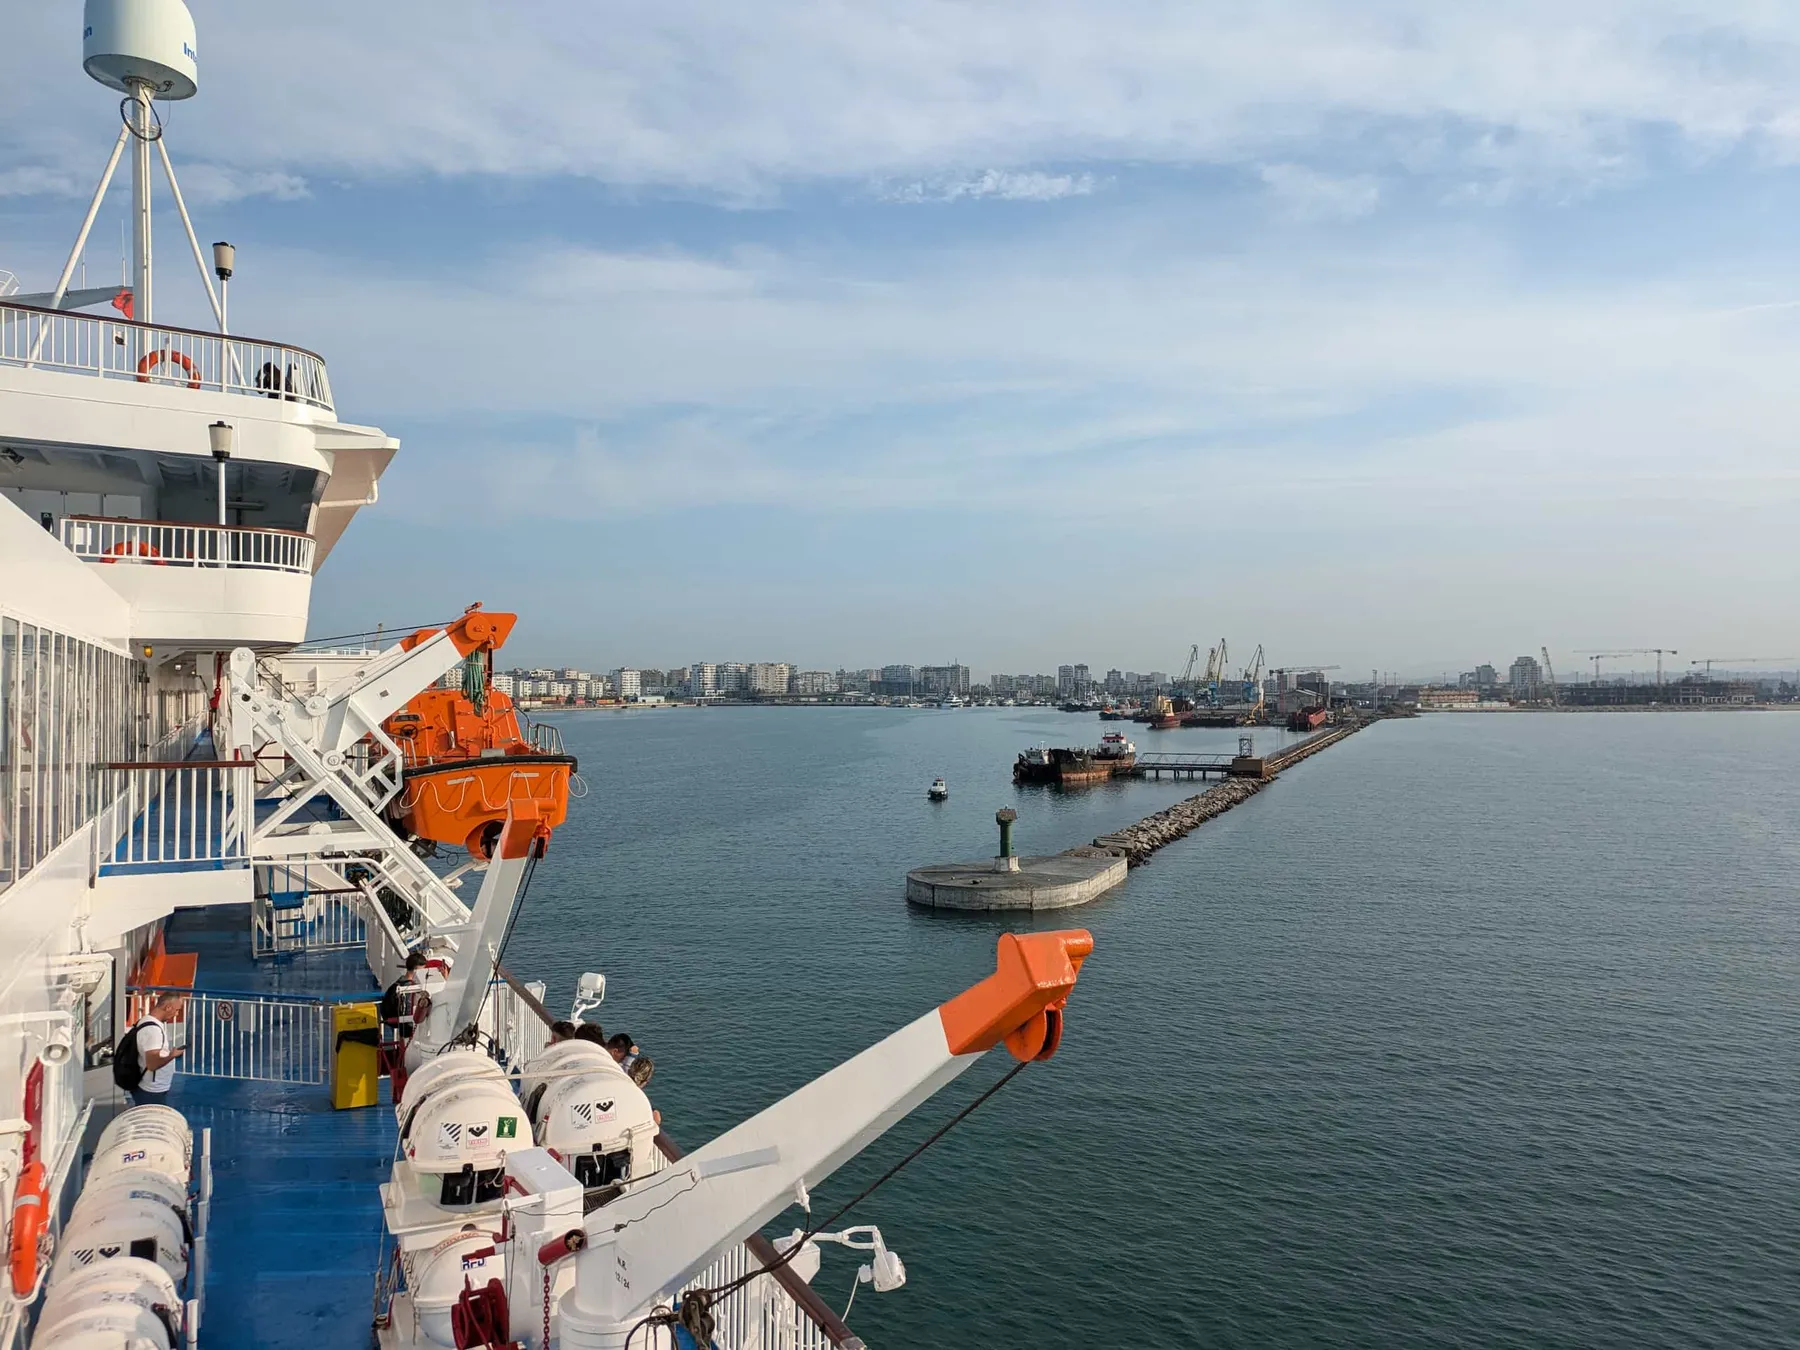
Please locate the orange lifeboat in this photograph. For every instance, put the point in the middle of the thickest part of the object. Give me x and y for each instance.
(468, 757)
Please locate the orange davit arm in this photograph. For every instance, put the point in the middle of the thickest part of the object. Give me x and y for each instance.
(476, 630)
(1021, 1003)
(661, 1233)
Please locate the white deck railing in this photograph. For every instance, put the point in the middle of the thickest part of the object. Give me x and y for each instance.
(760, 1315)
(120, 349)
(189, 815)
(315, 923)
(266, 1038)
(157, 543)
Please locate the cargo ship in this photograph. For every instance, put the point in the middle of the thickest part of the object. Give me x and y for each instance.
(1063, 767)
(219, 844)
(1306, 719)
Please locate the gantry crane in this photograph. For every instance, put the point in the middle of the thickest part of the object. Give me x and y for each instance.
(1660, 652)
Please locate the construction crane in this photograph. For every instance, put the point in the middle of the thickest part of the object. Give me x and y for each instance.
(1549, 673)
(1728, 661)
(1660, 652)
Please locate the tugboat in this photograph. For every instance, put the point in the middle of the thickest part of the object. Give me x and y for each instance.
(1116, 750)
(939, 791)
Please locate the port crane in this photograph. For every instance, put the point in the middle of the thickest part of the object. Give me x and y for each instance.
(1215, 671)
(1549, 674)
(1186, 678)
(1252, 687)
(1659, 652)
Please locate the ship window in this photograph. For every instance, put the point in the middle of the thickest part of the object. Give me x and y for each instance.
(25, 732)
(9, 669)
(50, 688)
(66, 708)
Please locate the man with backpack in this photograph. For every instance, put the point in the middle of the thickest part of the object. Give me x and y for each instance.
(144, 1062)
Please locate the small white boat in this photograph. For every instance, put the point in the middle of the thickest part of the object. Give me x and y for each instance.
(938, 791)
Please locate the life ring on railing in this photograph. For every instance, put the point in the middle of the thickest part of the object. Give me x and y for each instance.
(125, 549)
(169, 354)
(30, 1218)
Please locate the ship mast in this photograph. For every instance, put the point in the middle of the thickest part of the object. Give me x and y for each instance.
(145, 50)
(143, 130)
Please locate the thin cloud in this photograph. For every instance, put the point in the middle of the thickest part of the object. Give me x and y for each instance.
(38, 181)
(732, 102)
(1001, 184)
(1306, 194)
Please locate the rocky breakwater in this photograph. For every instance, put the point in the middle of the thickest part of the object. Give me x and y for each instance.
(1135, 843)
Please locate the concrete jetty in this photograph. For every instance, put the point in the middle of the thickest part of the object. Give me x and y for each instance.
(1054, 881)
(1060, 880)
(1135, 843)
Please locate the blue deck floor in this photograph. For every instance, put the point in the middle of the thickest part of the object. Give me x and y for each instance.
(296, 1224)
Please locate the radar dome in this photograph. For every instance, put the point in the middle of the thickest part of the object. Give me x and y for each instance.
(124, 42)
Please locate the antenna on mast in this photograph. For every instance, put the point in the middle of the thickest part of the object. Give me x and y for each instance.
(146, 50)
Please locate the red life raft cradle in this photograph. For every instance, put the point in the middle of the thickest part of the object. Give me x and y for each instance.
(468, 756)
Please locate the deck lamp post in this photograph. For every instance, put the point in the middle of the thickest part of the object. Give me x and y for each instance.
(224, 263)
(221, 435)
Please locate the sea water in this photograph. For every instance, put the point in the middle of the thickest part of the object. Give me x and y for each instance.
(1472, 1030)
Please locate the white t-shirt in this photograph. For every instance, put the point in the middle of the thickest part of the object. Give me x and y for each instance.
(153, 1035)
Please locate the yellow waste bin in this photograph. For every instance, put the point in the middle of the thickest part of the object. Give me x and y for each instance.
(355, 1061)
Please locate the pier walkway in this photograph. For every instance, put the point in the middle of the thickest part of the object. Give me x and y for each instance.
(1180, 766)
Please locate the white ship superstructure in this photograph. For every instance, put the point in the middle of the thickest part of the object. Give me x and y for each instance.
(202, 816)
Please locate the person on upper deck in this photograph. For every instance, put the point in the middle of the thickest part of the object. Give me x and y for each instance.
(399, 1002)
(156, 1053)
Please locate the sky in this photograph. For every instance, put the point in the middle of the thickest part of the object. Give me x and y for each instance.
(1400, 335)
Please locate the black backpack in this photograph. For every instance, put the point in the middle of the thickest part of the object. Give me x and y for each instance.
(127, 1065)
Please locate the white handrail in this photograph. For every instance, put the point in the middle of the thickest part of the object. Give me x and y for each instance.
(167, 816)
(154, 543)
(121, 349)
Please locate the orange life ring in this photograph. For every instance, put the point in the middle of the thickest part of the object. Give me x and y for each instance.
(125, 548)
(169, 354)
(30, 1218)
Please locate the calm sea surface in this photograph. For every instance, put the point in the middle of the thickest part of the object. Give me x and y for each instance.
(1473, 1030)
